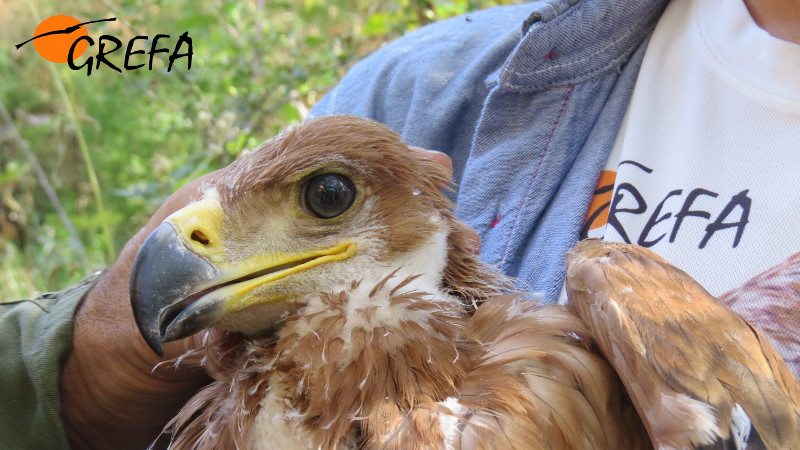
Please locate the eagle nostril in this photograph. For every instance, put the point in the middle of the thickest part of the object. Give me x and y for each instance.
(200, 237)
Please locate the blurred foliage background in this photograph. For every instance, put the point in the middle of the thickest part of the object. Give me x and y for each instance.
(84, 161)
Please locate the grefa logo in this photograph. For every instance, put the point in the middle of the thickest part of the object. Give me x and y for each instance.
(62, 39)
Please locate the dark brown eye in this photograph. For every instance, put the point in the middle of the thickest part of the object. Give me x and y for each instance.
(328, 195)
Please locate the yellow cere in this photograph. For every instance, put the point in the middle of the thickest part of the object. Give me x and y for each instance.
(204, 217)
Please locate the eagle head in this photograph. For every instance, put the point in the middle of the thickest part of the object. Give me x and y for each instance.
(321, 206)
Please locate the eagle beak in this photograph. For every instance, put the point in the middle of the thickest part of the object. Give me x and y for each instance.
(164, 276)
(183, 281)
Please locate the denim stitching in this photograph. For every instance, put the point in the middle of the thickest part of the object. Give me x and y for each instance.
(588, 57)
(568, 82)
(533, 179)
(603, 50)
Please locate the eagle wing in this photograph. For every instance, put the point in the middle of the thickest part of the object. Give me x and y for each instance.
(698, 373)
(539, 384)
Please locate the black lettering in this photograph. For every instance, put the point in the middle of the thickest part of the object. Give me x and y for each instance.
(590, 220)
(154, 50)
(640, 166)
(618, 196)
(175, 55)
(128, 53)
(587, 225)
(686, 212)
(742, 201)
(71, 56)
(101, 53)
(655, 220)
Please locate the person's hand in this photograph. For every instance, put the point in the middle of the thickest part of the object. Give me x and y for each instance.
(111, 395)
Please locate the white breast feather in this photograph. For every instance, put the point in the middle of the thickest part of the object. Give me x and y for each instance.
(278, 424)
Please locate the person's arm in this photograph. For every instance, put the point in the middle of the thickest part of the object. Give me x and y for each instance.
(111, 397)
(36, 336)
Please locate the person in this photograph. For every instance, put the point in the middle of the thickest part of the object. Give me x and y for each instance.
(685, 111)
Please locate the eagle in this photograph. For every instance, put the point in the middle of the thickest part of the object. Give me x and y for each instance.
(343, 308)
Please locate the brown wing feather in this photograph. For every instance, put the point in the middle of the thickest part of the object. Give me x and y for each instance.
(539, 384)
(685, 358)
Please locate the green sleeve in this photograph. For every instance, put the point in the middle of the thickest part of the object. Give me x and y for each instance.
(35, 338)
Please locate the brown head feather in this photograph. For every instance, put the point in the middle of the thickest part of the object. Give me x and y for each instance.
(379, 162)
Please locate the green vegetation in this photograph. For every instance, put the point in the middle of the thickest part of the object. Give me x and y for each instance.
(86, 160)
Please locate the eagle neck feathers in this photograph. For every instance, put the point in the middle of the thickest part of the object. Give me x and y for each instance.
(350, 363)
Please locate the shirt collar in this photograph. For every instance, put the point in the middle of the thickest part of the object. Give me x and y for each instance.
(568, 41)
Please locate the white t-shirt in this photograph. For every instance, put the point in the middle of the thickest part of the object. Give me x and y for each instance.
(706, 166)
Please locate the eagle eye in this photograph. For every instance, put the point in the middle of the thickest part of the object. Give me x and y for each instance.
(327, 195)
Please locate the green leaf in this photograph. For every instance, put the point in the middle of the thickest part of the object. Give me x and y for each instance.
(377, 25)
(196, 21)
(289, 113)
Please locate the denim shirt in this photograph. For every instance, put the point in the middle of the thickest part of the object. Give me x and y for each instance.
(527, 101)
